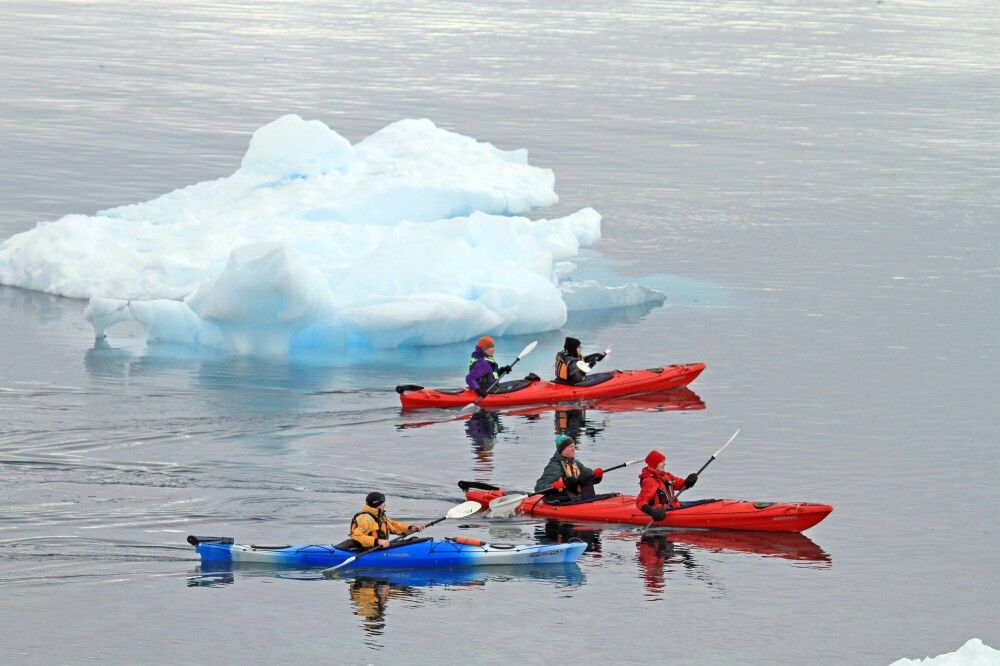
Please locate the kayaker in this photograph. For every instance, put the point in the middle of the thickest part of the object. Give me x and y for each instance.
(565, 479)
(571, 366)
(659, 487)
(371, 527)
(484, 372)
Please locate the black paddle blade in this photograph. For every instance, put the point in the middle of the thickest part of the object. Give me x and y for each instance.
(476, 485)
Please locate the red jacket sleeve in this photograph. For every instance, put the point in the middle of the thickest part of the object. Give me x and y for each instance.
(647, 488)
(676, 481)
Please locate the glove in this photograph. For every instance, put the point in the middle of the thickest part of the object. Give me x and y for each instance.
(482, 392)
(593, 359)
(598, 474)
(654, 512)
(691, 479)
(504, 370)
(559, 485)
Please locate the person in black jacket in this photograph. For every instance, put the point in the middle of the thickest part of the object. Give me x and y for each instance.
(571, 366)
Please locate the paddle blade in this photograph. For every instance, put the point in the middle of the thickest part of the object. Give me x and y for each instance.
(727, 443)
(464, 510)
(470, 408)
(527, 350)
(506, 505)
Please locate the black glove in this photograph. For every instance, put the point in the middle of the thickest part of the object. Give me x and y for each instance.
(504, 370)
(482, 392)
(654, 512)
(593, 359)
(691, 479)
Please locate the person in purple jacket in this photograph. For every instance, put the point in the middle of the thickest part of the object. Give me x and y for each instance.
(483, 370)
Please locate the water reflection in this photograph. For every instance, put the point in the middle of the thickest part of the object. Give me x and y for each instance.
(484, 428)
(372, 592)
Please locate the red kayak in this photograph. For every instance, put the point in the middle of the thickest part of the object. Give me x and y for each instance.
(524, 392)
(717, 513)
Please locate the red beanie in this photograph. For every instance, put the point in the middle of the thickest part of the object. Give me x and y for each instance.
(485, 342)
(654, 458)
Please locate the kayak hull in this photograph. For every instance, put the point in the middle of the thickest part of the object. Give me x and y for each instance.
(622, 383)
(417, 553)
(727, 514)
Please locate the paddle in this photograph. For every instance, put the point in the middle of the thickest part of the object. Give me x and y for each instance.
(474, 406)
(463, 510)
(707, 463)
(586, 367)
(505, 504)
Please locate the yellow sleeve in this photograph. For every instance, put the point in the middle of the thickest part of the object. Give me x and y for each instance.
(365, 530)
(397, 528)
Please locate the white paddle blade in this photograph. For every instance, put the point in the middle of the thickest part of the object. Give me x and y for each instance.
(527, 350)
(464, 510)
(607, 352)
(727, 443)
(470, 408)
(505, 505)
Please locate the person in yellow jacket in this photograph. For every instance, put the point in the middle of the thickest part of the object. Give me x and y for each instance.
(371, 527)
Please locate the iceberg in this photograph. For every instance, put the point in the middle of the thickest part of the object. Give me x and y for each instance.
(973, 653)
(413, 236)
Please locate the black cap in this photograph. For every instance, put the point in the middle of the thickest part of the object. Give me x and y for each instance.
(571, 344)
(375, 499)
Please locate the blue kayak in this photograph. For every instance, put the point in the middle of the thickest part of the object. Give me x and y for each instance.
(406, 554)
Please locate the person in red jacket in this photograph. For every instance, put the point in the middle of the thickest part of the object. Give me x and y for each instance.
(658, 488)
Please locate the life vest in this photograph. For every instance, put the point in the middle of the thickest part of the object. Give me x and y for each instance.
(381, 532)
(563, 359)
(664, 495)
(570, 469)
(493, 364)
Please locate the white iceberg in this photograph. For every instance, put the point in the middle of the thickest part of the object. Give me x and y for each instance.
(412, 236)
(973, 653)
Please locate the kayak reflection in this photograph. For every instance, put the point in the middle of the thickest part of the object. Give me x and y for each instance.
(372, 591)
(657, 549)
(484, 427)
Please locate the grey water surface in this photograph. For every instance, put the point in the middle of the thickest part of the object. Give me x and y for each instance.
(815, 185)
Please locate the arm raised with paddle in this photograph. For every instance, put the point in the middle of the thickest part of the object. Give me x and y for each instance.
(658, 511)
(474, 406)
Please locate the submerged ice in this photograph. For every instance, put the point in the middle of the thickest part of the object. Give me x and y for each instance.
(414, 235)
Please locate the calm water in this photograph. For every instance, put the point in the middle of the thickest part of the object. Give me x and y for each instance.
(817, 187)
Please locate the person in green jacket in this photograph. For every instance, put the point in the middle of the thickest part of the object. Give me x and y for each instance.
(565, 479)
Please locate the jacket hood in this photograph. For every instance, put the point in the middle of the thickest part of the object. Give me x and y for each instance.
(478, 353)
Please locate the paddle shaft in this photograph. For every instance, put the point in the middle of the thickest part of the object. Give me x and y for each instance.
(609, 469)
(545, 490)
(709, 461)
(377, 547)
(493, 385)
